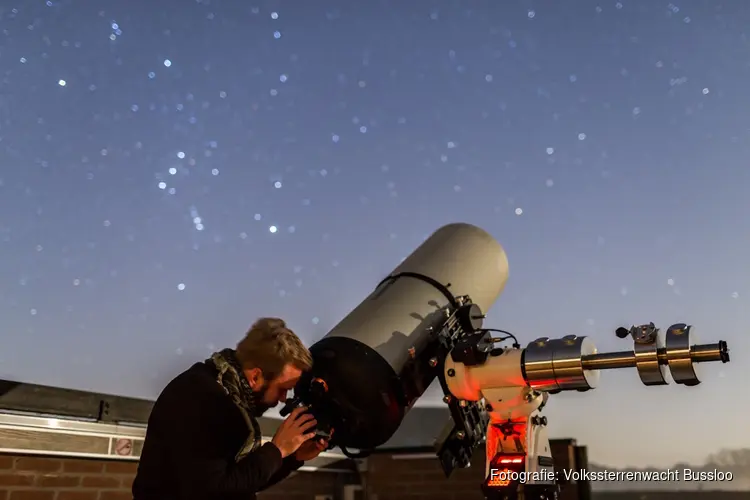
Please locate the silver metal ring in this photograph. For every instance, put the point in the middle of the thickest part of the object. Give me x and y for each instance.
(679, 340)
(568, 365)
(557, 364)
(538, 364)
(647, 362)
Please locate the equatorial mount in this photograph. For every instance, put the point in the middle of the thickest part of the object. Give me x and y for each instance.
(468, 353)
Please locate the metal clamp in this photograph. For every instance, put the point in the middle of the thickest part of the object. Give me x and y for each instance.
(646, 344)
(679, 342)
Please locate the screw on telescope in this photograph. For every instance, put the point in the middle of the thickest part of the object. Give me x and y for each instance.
(540, 421)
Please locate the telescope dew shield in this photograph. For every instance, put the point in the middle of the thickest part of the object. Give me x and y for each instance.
(375, 362)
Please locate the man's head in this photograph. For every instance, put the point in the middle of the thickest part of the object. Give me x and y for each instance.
(273, 359)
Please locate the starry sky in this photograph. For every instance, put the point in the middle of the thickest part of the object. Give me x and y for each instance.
(169, 174)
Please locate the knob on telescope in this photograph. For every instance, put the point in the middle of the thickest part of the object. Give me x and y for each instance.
(622, 332)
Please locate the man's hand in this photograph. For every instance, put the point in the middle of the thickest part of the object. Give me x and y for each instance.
(311, 449)
(294, 431)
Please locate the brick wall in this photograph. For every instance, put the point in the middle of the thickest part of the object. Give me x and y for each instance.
(391, 478)
(43, 478)
(420, 479)
(387, 478)
(303, 486)
(46, 478)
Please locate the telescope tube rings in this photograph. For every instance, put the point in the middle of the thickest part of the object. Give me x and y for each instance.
(646, 349)
(679, 341)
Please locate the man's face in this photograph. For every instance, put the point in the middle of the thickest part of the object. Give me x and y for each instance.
(274, 391)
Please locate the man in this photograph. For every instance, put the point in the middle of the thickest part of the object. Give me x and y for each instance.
(203, 437)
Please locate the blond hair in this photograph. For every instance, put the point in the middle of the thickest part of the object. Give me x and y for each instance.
(270, 345)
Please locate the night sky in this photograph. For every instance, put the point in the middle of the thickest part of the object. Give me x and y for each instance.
(168, 174)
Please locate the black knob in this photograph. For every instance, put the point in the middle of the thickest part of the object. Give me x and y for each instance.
(622, 332)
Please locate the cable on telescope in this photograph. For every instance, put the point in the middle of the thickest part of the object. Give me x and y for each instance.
(443, 289)
(507, 334)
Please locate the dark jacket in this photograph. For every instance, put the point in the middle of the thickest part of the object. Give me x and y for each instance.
(194, 433)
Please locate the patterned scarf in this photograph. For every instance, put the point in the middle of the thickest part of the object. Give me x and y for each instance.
(235, 384)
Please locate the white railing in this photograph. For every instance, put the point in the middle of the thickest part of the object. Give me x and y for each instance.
(49, 435)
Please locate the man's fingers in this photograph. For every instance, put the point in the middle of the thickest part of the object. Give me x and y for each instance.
(304, 420)
(305, 426)
(297, 412)
(309, 436)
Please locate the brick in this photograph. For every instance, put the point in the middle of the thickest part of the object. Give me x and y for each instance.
(127, 482)
(16, 480)
(77, 495)
(31, 495)
(115, 495)
(83, 466)
(4, 494)
(38, 464)
(121, 467)
(6, 462)
(100, 482)
(58, 481)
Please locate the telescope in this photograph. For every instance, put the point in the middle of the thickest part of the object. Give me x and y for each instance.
(425, 321)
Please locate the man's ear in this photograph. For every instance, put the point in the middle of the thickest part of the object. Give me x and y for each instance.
(254, 378)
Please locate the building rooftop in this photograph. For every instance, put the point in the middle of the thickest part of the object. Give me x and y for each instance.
(34, 406)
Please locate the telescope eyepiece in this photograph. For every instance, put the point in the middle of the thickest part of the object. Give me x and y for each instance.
(723, 351)
(290, 405)
(323, 429)
(318, 388)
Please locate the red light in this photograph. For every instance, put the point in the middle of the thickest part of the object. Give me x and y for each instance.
(499, 478)
(504, 469)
